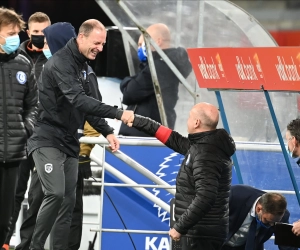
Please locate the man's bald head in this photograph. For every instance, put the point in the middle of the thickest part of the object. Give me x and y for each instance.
(160, 33)
(203, 117)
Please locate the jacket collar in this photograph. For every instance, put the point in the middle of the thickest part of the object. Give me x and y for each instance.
(79, 58)
(7, 57)
(197, 136)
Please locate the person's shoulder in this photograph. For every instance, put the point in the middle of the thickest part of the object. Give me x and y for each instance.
(22, 59)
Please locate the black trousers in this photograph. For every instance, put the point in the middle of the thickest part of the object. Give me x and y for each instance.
(76, 225)
(23, 177)
(200, 244)
(8, 182)
(35, 199)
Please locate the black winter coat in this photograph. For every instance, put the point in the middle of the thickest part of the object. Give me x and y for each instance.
(64, 104)
(91, 88)
(38, 64)
(203, 181)
(138, 91)
(18, 106)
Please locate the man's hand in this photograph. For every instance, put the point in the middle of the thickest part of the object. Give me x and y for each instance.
(296, 228)
(174, 234)
(85, 166)
(113, 141)
(128, 116)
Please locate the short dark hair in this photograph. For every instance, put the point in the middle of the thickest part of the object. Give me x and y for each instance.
(273, 203)
(39, 17)
(9, 16)
(294, 128)
(88, 26)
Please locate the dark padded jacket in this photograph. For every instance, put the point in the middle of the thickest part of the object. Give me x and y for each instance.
(18, 105)
(38, 65)
(64, 104)
(91, 88)
(203, 181)
(138, 91)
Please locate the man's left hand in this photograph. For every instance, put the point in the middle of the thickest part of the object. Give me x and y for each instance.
(174, 234)
(114, 143)
(296, 228)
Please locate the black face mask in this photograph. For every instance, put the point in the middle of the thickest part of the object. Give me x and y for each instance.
(37, 41)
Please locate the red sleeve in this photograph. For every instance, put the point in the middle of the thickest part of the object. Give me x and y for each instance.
(163, 134)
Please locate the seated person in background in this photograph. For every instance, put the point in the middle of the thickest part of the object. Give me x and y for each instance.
(253, 210)
(138, 91)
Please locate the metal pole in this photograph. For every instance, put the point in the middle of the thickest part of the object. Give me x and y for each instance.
(226, 126)
(286, 157)
(144, 171)
(122, 177)
(155, 81)
(178, 22)
(101, 197)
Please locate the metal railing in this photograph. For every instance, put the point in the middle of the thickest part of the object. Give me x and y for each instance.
(159, 183)
(140, 188)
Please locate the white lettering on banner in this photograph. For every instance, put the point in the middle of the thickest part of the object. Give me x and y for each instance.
(245, 71)
(164, 243)
(287, 72)
(208, 71)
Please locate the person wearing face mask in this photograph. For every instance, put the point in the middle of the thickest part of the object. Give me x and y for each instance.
(138, 91)
(33, 47)
(292, 137)
(18, 110)
(252, 216)
(33, 50)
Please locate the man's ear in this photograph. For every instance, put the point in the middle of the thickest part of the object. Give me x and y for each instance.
(80, 38)
(197, 123)
(28, 34)
(258, 208)
(158, 41)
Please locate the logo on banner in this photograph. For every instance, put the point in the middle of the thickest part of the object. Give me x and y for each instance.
(48, 167)
(168, 172)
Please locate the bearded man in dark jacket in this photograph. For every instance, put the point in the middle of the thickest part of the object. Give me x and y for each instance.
(203, 181)
(138, 91)
(18, 108)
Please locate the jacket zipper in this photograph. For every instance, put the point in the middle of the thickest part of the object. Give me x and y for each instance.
(4, 114)
(10, 82)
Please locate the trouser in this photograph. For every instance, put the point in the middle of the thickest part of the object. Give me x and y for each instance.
(8, 183)
(58, 175)
(23, 176)
(76, 225)
(35, 199)
(188, 243)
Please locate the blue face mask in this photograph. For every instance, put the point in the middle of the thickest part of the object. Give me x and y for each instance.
(142, 54)
(47, 53)
(260, 223)
(290, 153)
(12, 43)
